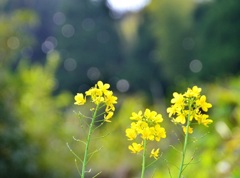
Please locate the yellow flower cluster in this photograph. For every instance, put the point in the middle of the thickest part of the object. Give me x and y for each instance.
(100, 95)
(190, 105)
(147, 126)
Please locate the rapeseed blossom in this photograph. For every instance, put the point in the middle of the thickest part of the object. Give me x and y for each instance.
(145, 127)
(135, 147)
(154, 153)
(101, 96)
(190, 105)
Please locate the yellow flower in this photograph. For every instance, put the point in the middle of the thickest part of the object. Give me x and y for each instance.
(189, 105)
(109, 98)
(190, 129)
(141, 125)
(131, 134)
(194, 92)
(145, 126)
(181, 118)
(149, 114)
(96, 95)
(136, 116)
(108, 116)
(202, 119)
(134, 125)
(178, 98)
(159, 133)
(148, 133)
(158, 118)
(100, 96)
(135, 147)
(172, 110)
(79, 99)
(154, 153)
(93, 92)
(203, 104)
(206, 122)
(103, 87)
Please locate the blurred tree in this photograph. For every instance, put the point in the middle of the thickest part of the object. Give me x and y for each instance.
(14, 41)
(218, 29)
(31, 125)
(140, 67)
(16, 154)
(88, 42)
(170, 26)
(31, 118)
(44, 9)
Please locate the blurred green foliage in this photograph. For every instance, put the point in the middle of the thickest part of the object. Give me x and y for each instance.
(171, 25)
(13, 36)
(31, 122)
(212, 151)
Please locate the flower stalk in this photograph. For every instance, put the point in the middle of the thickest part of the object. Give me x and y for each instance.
(85, 159)
(144, 158)
(102, 98)
(145, 127)
(185, 109)
(185, 144)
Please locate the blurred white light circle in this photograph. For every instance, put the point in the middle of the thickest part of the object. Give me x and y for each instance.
(70, 64)
(126, 5)
(47, 46)
(195, 66)
(223, 167)
(59, 18)
(13, 42)
(53, 40)
(93, 73)
(123, 85)
(223, 130)
(68, 30)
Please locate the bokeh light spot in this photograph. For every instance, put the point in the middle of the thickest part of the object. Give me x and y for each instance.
(47, 46)
(13, 42)
(125, 5)
(70, 64)
(93, 73)
(123, 85)
(59, 18)
(53, 40)
(68, 30)
(223, 167)
(195, 66)
(223, 130)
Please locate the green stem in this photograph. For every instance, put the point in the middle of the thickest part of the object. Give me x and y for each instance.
(185, 143)
(88, 141)
(144, 157)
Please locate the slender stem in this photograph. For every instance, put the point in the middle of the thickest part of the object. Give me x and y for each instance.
(185, 142)
(88, 141)
(144, 157)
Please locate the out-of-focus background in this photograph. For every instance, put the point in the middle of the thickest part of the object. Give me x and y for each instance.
(52, 49)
